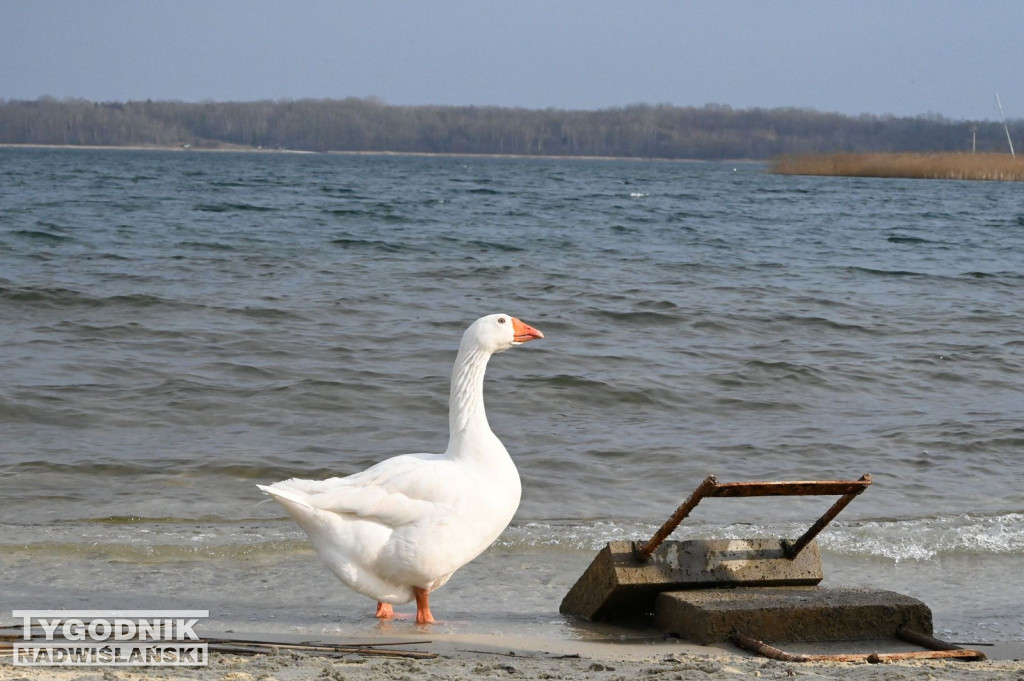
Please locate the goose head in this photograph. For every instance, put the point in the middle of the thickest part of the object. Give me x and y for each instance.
(498, 332)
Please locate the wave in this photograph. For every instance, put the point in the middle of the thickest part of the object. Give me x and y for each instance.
(760, 372)
(60, 297)
(44, 234)
(207, 245)
(884, 273)
(249, 470)
(623, 229)
(1002, 275)
(367, 213)
(351, 213)
(930, 538)
(57, 296)
(899, 239)
(495, 246)
(598, 392)
(157, 553)
(155, 520)
(638, 317)
(372, 244)
(917, 539)
(975, 274)
(331, 190)
(138, 539)
(813, 321)
(232, 208)
(270, 313)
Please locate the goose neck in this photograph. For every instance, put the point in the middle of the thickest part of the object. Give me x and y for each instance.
(466, 415)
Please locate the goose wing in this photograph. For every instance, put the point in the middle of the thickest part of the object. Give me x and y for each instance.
(394, 492)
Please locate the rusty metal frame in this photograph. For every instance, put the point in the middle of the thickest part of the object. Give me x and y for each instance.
(710, 487)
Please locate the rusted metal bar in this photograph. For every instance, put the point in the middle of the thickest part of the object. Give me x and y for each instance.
(793, 488)
(793, 548)
(711, 488)
(926, 641)
(672, 523)
(764, 650)
(966, 655)
(761, 648)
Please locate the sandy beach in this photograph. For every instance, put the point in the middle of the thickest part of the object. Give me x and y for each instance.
(466, 656)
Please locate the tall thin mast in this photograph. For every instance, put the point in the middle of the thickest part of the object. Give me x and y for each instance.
(1008, 140)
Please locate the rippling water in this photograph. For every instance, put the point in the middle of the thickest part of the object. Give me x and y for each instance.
(178, 327)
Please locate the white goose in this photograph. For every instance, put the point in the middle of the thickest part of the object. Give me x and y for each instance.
(401, 528)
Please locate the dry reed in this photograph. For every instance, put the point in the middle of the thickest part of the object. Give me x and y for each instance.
(924, 166)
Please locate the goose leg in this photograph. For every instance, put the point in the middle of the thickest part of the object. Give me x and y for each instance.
(385, 611)
(423, 615)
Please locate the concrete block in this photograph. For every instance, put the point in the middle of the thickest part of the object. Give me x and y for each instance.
(616, 585)
(784, 614)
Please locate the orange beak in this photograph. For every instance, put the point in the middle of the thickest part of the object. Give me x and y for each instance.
(523, 332)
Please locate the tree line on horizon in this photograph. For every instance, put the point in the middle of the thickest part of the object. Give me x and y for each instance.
(369, 125)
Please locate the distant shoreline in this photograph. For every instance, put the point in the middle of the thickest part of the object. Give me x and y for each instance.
(153, 147)
(639, 131)
(259, 150)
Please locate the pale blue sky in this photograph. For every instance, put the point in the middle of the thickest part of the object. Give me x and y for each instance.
(897, 57)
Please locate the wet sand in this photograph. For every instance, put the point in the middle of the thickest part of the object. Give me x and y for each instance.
(462, 656)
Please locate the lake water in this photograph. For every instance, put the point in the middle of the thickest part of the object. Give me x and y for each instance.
(178, 327)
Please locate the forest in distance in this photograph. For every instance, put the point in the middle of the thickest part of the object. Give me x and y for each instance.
(711, 132)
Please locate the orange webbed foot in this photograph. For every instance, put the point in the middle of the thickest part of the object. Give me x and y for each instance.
(423, 615)
(385, 611)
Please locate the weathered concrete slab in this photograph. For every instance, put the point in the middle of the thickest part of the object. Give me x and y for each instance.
(784, 614)
(616, 585)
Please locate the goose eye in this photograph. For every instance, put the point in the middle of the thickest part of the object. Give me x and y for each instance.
(501, 320)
